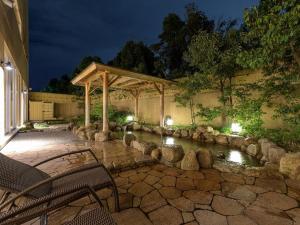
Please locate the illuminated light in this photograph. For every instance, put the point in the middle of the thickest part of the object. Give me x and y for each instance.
(129, 118)
(236, 128)
(170, 141)
(169, 122)
(129, 132)
(235, 156)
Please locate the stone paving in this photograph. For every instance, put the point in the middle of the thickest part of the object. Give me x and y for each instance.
(160, 195)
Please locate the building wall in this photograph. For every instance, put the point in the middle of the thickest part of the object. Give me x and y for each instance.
(13, 49)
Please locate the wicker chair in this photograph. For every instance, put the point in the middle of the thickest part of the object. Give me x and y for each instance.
(25, 180)
(40, 207)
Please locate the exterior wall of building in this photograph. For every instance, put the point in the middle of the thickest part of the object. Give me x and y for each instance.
(13, 83)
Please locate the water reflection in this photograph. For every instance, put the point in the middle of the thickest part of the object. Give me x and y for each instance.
(170, 141)
(235, 156)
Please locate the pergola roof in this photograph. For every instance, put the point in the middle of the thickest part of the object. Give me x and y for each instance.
(118, 78)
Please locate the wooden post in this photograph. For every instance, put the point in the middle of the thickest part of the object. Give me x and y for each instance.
(136, 105)
(87, 103)
(162, 105)
(105, 103)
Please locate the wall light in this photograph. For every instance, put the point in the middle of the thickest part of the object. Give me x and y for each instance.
(236, 128)
(169, 122)
(6, 65)
(129, 118)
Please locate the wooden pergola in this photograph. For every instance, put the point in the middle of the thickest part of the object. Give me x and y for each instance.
(106, 77)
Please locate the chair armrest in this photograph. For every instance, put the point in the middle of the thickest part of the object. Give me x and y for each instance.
(49, 180)
(36, 203)
(67, 154)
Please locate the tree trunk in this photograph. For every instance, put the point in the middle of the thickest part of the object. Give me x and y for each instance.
(223, 101)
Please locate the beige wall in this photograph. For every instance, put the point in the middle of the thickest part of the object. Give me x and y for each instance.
(65, 106)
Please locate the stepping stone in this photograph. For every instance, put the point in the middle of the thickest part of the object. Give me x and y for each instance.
(240, 220)
(151, 179)
(199, 197)
(226, 206)
(170, 192)
(152, 201)
(207, 185)
(130, 217)
(205, 217)
(187, 217)
(140, 189)
(271, 184)
(274, 200)
(185, 184)
(168, 181)
(233, 178)
(167, 215)
(183, 204)
(264, 217)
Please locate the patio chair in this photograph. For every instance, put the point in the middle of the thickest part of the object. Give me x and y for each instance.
(40, 207)
(28, 181)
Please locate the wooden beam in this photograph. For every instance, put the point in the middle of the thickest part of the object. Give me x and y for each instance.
(105, 103)
(162, 105)
(87, 103)
(157, 88)
(113, 80)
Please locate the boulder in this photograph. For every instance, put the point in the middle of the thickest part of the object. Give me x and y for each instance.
(253, 149)
(144, 147)
(71, 125)
(221, 139)
(236, 141)
(137, 126)
(74, 130)
(112, 125)
(189, 161)
(210, 129)
(205, 158)
(159, 130)
(201, 129)
(184, 133)
(127, 139)
(275, 154)
(118, 128)
(177, 133)
(98, 125)
(172, 153)
(156, 154)
(290, 165)
(81, 135)
(216, 132)
(169, 132)
(147, 129)
(196, 135)
(265, 144)
(249, 140)
(28, 125)
(90, 134)
(209, 138)
(103, 136)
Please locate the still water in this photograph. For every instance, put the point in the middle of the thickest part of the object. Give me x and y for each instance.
(229, 154)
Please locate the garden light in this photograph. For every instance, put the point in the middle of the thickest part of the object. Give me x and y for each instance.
(236, 128)
(129, 118)
(7, 65)
(169, 122)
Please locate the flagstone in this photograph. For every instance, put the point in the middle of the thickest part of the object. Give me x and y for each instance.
(205, 217)
(140, 189)
(170, 192)
(166, 215)
(226, 206)
(200, 197)
(182, 204)
(152, 201)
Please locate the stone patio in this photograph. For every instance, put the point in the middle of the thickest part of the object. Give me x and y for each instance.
(160, 195)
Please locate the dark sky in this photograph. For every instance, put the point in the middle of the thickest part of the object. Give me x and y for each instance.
(62, 32)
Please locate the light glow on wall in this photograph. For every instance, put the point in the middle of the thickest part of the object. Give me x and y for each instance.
(129, 118)
(169, 122)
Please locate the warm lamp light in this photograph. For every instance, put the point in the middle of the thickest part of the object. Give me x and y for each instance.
(129, 118)
(236, 128)
(170, 141)
(169, 122)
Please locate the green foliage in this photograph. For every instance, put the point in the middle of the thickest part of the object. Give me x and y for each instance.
(135, 56)
(113, 114)
(208, 114)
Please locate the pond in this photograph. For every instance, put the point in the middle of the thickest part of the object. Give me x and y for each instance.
(230, 154)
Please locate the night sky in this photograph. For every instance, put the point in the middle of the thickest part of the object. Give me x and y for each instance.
(62, 32)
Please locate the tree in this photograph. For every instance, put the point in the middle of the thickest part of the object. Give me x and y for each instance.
(175, 38)
(213, 56)
(85, 62)
(135, 56)
(274, 27)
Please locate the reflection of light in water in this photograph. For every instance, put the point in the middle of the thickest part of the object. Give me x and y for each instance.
(129, 132)
(235, 156)
(170, 141)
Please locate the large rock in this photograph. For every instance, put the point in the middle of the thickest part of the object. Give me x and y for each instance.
(236, 141)
(159, 130)
(81, 135)
(196, 135)
(249, 141)
(185, 133)
(137, 126)
(275, 154)
(156, 154)
(201, 129)
(290, 165)
(90, 134)
(144, 147)
(189, 161)
(147, 129)
(265, 145)
(172, 153)
(127, 139)
(209, 138)
(177, 133)
(205, 158)
(221, 139)
(253, 149)
(103, 136)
